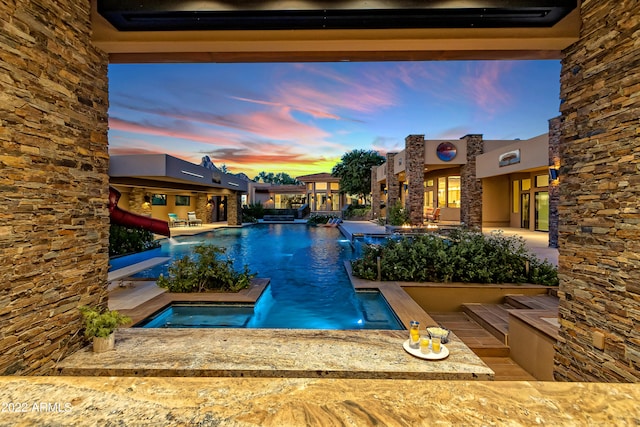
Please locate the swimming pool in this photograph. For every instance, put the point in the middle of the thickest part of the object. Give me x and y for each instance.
(309, 287)
(376, 314)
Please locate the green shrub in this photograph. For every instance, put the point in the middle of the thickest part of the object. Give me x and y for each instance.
(124, 240)
(101, 324)
(357, 211)
(205, 271)
(462, 256)
(253, 210)
(397, 214)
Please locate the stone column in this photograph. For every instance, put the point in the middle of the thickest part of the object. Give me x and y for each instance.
(599, 231)
(137, 202)
(414, 171)
(375, 194)
(202, 211)
(555, 129)
(54, 234)
(234, 209)
(471, 187)
(393, 186)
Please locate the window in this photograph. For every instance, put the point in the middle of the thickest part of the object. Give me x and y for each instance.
(335, 186)
(321, 186)
(542, 180)
(183, 200)
(442, 192)
(453, 191)
(526, 184)
(428, 202)
(516, 196)
(542, 211)
(159, 200)
(449, 191)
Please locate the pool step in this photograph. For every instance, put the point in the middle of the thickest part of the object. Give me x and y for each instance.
(130, 270)
(478, 339)
(533, 302)
(492, 317)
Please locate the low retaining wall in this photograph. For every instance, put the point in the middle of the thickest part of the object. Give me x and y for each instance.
(447, 297)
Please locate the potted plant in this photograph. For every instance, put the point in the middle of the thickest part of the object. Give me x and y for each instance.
(100, 325)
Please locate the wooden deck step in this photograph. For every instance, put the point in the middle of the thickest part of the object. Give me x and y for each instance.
(507, 370)
(492, 317)
(478, 339)
(534, 302)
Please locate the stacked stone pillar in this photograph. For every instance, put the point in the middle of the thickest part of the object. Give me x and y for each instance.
(54, 181)
(555, 129)
(137, 201)
(234, 209)
(376, 197)
(414, 171)
(393, 185)
(471, 186)
(203, 212)
(599, 233)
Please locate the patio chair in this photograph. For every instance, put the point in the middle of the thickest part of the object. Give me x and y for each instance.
(175, 221)
(192, 220)
(434, 216)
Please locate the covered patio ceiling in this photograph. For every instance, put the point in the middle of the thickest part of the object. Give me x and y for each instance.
(332, 30)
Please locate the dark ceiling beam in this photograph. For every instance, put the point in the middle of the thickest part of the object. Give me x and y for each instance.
(171, 15)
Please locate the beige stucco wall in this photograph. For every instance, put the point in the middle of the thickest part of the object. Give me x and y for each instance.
(534, 153)
(496, 204)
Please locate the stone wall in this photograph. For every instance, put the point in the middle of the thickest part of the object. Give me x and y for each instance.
(393, 185)
(414, 159)
(555, 129)
(138, 201)
(376, 197)
(234, 209)
(203, 212)
(599, 260)
(54, 183)
(471, 187)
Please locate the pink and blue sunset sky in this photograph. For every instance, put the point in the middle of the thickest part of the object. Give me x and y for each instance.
(301, 118)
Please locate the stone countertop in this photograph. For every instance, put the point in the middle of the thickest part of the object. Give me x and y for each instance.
(80, 401)
(284, 353)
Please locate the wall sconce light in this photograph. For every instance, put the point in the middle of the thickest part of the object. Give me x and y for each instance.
(553, 173)
(147, 202)
(406, 187)
(210, 202)
(328, 197)
(385, 192)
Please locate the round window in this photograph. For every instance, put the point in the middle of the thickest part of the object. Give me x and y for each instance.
(446, 151)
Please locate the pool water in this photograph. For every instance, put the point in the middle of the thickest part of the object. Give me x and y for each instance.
(376, 314)
(309, 287)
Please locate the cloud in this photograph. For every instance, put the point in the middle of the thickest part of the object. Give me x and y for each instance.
(273, 123)
(175, 129)
(384, 145)
(323, 88)
(456, 132)
(483, 85)
(312, 112)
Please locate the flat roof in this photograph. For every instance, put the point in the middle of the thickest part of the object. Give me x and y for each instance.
(158, 170)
